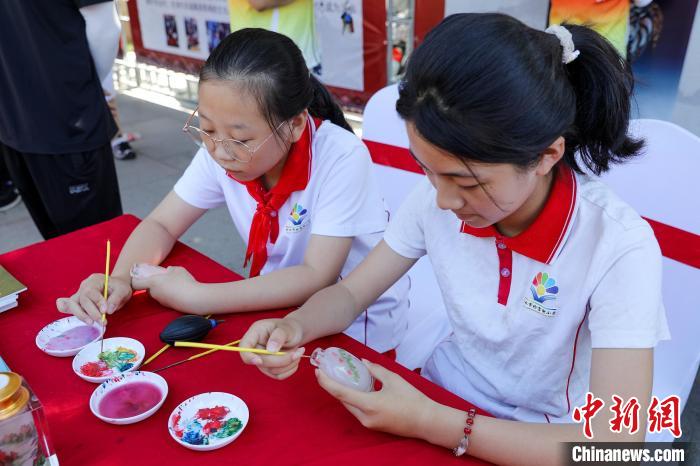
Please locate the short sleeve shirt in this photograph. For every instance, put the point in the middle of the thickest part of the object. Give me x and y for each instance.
(342, 198)
(528, 310)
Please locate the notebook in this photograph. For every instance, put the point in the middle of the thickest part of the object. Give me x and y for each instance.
(10, 288)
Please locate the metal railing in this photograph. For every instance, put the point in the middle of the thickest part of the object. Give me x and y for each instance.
(129, 74)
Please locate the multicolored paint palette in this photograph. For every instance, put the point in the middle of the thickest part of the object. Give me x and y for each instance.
(208, 421)
(119, 355)
(129, 397)
(110, 362)
(67, 336)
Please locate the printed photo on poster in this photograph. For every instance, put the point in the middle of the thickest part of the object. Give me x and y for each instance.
(192, 33)
(348, 21)
(170, 30)
(216, 32)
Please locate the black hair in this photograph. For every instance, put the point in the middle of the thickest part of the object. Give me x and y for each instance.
(272, 68)
(488, 88)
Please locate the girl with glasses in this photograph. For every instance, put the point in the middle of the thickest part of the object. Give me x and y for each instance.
(298, 184)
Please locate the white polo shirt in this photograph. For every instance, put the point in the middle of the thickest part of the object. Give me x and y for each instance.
(526, 311)
(342, 198)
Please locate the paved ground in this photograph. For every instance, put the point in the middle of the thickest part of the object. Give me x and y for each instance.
(164, 153)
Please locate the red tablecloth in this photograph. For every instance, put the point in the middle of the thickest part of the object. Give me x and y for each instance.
(291, 422)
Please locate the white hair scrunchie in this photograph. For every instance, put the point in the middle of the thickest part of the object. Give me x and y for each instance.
(567, 43)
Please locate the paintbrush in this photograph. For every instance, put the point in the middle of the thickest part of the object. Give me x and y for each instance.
(192, 344)
(191, 358)
(104, 314)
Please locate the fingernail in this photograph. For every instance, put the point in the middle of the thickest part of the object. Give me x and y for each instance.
(298, 353)
(134, 270)
(103, 308)
(273, 346)
(111, 308)
(257, 361)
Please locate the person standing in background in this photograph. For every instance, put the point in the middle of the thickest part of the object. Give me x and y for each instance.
(293, 18)
(55, 126)
(121, 143)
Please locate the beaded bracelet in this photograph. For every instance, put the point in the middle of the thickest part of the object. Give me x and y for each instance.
(461, 449)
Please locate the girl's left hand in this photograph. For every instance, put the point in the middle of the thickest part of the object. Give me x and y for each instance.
(172, 287)
(398, 408)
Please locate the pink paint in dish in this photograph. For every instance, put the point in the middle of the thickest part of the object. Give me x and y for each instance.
(129, 400)
(76, 337)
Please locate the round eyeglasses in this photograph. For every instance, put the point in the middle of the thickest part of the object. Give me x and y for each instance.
(237, 150)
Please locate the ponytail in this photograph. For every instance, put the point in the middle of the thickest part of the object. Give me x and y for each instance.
(324, 106)
(603, 84)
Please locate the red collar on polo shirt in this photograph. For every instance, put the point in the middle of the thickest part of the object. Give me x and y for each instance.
(541, 240)
(295, 176)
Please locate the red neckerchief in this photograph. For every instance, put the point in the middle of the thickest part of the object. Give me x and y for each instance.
(295, 177)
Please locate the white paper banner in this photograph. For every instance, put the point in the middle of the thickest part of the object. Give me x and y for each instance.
(190, 28)
(339, 33)
(531, 12)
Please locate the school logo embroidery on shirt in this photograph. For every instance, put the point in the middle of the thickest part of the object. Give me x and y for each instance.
(297, 219)
(543, 295)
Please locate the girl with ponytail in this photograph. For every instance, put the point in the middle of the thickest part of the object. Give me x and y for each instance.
(552, 283)
(277, 151)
